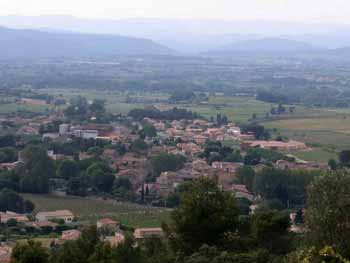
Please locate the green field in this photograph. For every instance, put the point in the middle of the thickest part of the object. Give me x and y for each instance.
(132, 215)
(316, 155)
(15, 107)
(327, 132)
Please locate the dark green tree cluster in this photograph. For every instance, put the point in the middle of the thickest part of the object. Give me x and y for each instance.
(259, 131)
(81, 109)
(216, 151)
(35, 172)
(208, 227)
(258, 155)
(154, 113)
(12, 201)
(90, 249)
(89, 173)
(52, 127)
(182, 96)
(148, 130)
(8, 155)
(163, 162)
(8, 140)
(286, 186)
(221, 120)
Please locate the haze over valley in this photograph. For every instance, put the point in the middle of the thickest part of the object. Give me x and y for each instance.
(188, 131)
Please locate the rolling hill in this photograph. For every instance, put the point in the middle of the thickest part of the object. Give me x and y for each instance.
(29, 44)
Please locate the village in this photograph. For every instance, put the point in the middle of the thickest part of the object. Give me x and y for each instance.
(154, 156)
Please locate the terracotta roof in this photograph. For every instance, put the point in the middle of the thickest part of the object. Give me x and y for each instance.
(107, 221)
(70, 235)
(56, 213)
(115, 240)
(144, 232)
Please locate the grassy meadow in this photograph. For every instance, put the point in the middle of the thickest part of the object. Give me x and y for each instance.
(6, 108)
(90, 210)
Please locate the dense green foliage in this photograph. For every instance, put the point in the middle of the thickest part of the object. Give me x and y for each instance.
(216, 151)
(32, 252)
(323, 96)
(163, 162)
(258, 130)
(154, 113)
(12, 201)
(36, 170)
(328, 212)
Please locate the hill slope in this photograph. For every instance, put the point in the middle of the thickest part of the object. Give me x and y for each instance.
(190, 35)
(270, 45)
(23, 44)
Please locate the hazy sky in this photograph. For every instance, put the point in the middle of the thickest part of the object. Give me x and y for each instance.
(286, 10)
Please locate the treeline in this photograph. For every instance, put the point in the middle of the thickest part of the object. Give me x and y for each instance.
(310, 96)
(172, 114)
(37, 170)
(280, 189)
(81, 110)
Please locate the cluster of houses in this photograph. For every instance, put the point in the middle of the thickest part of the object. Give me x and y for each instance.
(108, 228)
(190, 137)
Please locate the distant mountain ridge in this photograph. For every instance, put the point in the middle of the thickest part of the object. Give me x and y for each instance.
(28, 44)
(189, 35)
(268, 45)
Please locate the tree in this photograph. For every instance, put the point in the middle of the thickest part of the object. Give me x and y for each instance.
(103, 253)
(8, 155)
(281, 109)
(8, 140)
(163, 162)
(68, 169)
(138, 146)
(332, 164)
(96, 151)
(299, 217)
(182, 96)
(78, 108)
(89, 239)
(12, 222)
(97, 106)
(234, 157)
(122, 189)
(78, 185)
(36, 170)
(70, 252)
(344, 157)
(211, 254)
(270, 183)
(288, 186)
(156, 250)
(12, 201)
(328, 212)
(101, 177)
(260, 132)
(270, 229)
(149, 130)
(252, 158)
(326, 254)
(246, 175)
(127, 252)
(30, 252)
(205, 216)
